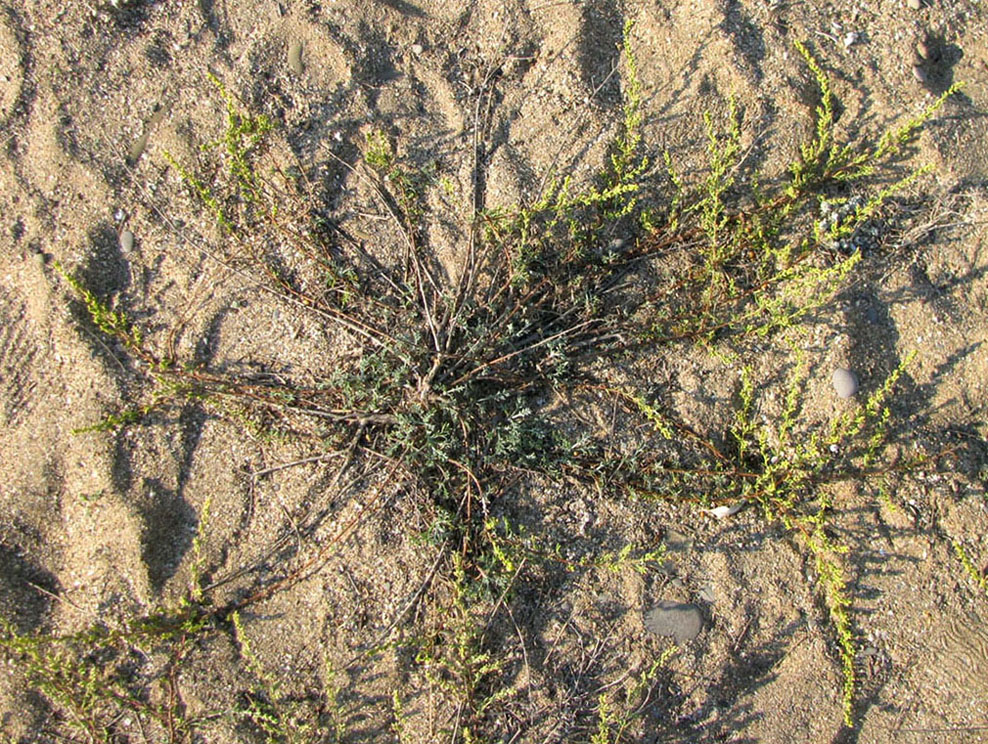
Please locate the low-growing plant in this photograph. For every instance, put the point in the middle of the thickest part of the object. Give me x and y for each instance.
(976, 575)
(611, 725)
(455, 367)
(98, 676)
(785, 469)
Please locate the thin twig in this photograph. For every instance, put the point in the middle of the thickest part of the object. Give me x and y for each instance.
(294, 463)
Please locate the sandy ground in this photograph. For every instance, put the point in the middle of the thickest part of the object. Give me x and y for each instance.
(91, 99)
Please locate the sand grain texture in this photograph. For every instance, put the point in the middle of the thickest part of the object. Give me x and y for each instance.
(93, 101)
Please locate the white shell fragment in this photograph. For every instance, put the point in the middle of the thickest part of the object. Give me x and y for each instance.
(722, 512)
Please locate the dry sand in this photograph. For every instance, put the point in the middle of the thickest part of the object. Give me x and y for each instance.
(91, 99)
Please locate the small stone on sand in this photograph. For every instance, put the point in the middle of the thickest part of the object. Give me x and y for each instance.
(915, 4)
(126, 241)
(681, 621)
(845, 383)
(295, 58)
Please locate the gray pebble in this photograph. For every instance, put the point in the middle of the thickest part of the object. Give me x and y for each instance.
(295, 58)
(919, 73)
(676, 541)
(708, 593)
(139, 146)
(141, 143)
(126, 241)
(845, 383)
(681, 621)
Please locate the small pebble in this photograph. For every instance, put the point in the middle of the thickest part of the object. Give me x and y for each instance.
(295, 58)
(919, 73)
(676, 541)
(914, 4)
(141, 143)
(845, 383)
(417, 49)
(851, 38)
(923, 50)
(681, 621)
(138, 148)
(126, 241)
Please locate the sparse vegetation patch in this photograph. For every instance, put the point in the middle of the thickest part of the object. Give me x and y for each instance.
(466, 388)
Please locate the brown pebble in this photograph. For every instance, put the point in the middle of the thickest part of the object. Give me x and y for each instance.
(919, 73)
(915, 4)
(923, 50)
